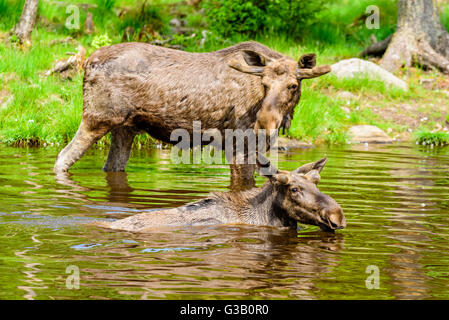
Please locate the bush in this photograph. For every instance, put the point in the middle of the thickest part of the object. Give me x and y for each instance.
(101, 40)
(229, 17)
(10, 11)
(293, 16)
(432, 138)
(154, 17)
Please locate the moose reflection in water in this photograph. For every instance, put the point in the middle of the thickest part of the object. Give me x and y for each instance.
(214, 250)
(284, 200)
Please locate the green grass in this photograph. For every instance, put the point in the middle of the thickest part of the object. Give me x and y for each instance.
(47, 110)
(432, 138)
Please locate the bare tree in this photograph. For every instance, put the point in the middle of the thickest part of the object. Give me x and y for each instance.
(26, 22)
(420, 38)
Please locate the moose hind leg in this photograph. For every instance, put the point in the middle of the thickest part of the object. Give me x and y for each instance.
(121, 144)
(83, 140)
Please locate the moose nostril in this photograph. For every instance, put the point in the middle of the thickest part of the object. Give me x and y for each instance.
(333, 225)
(336, 221)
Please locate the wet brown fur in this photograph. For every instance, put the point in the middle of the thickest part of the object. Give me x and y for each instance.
(277, 203)
(134, 87)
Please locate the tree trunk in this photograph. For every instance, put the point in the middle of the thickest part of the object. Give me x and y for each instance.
(420, 38)
(26, 22)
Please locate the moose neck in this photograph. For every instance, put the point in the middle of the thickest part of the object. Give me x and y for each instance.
(262, 206)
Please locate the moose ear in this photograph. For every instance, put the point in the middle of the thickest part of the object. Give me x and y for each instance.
(254, 59)
(307, 61)
(317, 165)
(313, 176)
(254, 63)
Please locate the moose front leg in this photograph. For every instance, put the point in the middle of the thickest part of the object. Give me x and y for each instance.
(121, 143)
(242, 177)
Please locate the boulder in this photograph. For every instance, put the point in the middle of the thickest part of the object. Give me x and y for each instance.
(284, 143)
(368, 134)
(175, 23)
(354, 67)
(346, 95)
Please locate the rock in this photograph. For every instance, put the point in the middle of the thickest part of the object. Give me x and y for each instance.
(175, 23)
(284, 143)
(7, 77)
(354, 67)
(368, 134)
(5, 98)
(346, 110)
(403, 137)
(346, 95)
(427, 83)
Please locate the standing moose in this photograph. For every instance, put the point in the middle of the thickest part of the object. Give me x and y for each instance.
(133, 87)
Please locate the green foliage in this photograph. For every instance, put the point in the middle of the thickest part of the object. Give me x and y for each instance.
(426, 138)
(318, 115)
(13, 38)
(444, 16)
(101, 41)
(48, 109)
(344, 20)
(230, 17)
(153, 16)
(106, 5)
(292, 17)
(364, 85)
(10, 11)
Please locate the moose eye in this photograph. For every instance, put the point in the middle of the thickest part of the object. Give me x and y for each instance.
(293, 87)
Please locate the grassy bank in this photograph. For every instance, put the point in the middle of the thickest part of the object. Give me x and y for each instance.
(36, 109)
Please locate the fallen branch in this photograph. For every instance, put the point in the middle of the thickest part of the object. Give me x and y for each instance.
(74, 63)
(68, 40)
(377, 49)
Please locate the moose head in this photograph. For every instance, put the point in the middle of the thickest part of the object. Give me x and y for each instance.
(298, 196)
(282, 81)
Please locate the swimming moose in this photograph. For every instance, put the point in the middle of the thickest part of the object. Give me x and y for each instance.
(136, 87)
(284, 200)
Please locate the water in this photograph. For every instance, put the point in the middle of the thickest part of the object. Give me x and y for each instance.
(395, 197)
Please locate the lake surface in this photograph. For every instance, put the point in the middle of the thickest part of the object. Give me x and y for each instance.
(395, 198)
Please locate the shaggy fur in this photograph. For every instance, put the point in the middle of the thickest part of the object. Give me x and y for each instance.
(134, 87)
(283, 201)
